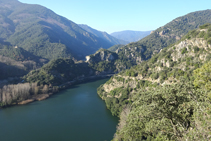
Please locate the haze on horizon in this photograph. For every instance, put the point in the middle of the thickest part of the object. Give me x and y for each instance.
(118, 15)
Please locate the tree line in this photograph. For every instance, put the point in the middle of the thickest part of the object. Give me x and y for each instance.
(12, 94)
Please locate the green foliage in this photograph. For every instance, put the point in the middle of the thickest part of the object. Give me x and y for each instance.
(155, 75)
(116, 105)
(203, 76)
(131, 73)
(154, 59)
(202, 34)
(120, 79)
(58, 71)
(103, 66)
(161, 113)
(205, 26)
(184, 50)
(209, 40)
(17, 53)
(196, 49)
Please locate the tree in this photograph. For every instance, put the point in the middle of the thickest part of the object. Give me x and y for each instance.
(161, 113)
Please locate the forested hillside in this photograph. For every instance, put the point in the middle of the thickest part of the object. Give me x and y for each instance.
(164, 36)
(44, 33)
(16, 62)
(166, 97)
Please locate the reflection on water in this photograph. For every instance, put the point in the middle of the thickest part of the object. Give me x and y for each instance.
(75, 114)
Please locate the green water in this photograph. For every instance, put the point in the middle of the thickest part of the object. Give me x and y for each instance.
(75, 114)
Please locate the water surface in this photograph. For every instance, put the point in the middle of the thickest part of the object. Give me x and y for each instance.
(75, 114)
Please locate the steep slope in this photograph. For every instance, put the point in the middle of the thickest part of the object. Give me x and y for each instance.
(16, 62)
(44, 33)
(130, 36)
(115, 47)
(164, 36)
(103, 35)
(19, 54)
(155, 87)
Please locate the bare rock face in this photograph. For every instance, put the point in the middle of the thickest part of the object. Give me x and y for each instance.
(162, 33)
(189, 44)
(87, 58)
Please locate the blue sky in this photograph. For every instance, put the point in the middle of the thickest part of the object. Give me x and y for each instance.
(119, 15)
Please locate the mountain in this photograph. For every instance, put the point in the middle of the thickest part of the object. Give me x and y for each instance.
(130, 36)
(135, 53)
(103, 35)
(164, 36)
(166, 96)
(44, 33)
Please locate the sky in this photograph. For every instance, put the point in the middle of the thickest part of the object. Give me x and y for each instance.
(118, 15)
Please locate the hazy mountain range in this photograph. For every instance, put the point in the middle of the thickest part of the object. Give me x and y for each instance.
(130, 36)
(103, 35)
(46, 34)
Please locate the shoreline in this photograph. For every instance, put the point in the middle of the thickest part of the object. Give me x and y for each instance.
(64, 86)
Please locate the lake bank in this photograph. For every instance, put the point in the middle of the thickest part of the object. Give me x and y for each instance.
(66, 85)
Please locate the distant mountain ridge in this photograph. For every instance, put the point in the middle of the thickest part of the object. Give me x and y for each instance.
(103, 35)
(44, 33)
(130, 36)
(164, 36)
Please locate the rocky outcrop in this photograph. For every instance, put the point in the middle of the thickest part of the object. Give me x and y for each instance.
(102, 55)
(190, 45)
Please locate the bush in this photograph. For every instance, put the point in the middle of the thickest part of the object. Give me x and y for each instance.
(209, 40)
(196, 49)
(131, 73)
(184, 50)
(202, 34)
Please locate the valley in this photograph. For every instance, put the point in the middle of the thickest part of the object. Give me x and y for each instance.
(159, 81)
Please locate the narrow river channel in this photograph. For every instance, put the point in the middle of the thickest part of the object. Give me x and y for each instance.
(75, 114)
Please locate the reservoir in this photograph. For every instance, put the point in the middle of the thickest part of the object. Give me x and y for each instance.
(74, 114)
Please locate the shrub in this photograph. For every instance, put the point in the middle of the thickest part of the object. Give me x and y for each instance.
(184, 50)
(209, 40)
(196, 49)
